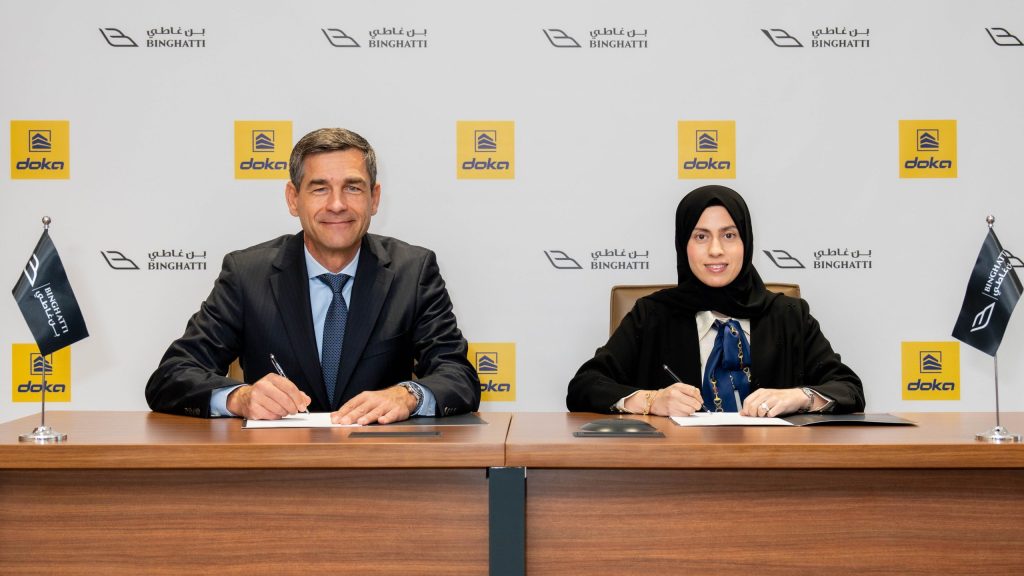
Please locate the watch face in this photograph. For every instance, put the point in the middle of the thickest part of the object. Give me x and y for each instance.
(414, 391)
(810, 400)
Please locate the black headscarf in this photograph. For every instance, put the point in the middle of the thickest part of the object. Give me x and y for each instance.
(744, 297)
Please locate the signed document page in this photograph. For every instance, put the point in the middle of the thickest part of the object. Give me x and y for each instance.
(311, 420)
(726, 419)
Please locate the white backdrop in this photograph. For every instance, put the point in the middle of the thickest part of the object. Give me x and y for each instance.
(152, 154)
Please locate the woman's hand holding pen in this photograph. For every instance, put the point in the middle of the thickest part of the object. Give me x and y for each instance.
(269, 398)
(676, 400)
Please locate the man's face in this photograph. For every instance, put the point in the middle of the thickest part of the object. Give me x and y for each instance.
(334, 204)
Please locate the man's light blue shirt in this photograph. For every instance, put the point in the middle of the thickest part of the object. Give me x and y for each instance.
(320, 296)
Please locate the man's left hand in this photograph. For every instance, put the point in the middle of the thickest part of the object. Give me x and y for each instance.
(385, 406)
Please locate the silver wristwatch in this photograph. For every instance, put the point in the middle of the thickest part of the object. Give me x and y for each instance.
(810, 400)
(416, 393)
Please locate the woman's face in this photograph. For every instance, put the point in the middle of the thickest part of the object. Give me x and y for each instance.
(715, 250)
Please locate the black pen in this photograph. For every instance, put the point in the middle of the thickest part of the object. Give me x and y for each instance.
(677, 379)
(280, 372)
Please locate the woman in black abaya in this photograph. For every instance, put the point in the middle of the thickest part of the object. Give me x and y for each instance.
(734, 346)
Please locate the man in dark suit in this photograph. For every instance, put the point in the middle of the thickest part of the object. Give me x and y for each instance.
(346, 346)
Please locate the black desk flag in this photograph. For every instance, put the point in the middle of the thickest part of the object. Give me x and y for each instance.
(992, 293)
(47, 301)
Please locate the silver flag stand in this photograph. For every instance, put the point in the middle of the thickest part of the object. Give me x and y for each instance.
(43, 434)
(998, 434)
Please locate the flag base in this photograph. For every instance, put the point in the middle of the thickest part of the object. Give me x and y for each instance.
(44, 435)
(998, 435)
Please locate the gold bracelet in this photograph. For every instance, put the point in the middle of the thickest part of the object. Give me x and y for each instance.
(649, 400)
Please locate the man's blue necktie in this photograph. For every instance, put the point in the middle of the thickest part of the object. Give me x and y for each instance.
(334, 332)
(727, 369)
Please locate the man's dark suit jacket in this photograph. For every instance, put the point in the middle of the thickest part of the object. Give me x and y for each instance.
(400, 322)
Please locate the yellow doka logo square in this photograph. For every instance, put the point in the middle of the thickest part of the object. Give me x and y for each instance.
(931, 371)
(707, 149)
(262, 149)
(495, 364)
(485, 150)
(28, 367)
(927, 148)
(40, 149)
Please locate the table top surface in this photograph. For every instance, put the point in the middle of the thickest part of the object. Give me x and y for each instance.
(939, 440)
(147, 440)
(151, 440)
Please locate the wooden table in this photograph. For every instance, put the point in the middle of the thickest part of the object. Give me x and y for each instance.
(143, 493)
(927, 499)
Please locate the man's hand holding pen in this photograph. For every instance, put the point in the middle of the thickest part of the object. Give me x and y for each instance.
(269, 398)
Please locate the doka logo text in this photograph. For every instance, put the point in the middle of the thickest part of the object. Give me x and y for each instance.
(485, 150)
(707, 149)
(262, 149)
(40, 150)
(927, 148)
(931, 371)
(495, 364)
(28, 367)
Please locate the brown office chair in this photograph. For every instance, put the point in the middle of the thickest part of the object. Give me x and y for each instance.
(624, 297)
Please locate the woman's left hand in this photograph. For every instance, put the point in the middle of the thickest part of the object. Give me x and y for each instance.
(771, 402)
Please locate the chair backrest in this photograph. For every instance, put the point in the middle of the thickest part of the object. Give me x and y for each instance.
(624, 297)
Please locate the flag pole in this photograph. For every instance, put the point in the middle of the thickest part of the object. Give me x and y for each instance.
(42, 411)
(995, 368)
(997, 434)
(43, 434)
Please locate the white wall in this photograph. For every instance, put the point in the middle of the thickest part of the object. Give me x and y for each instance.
(152, 142)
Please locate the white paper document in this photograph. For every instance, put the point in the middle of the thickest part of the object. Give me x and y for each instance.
(726, 419)
(311, 420)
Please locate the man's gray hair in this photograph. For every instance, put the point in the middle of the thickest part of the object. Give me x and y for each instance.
(330, 140)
